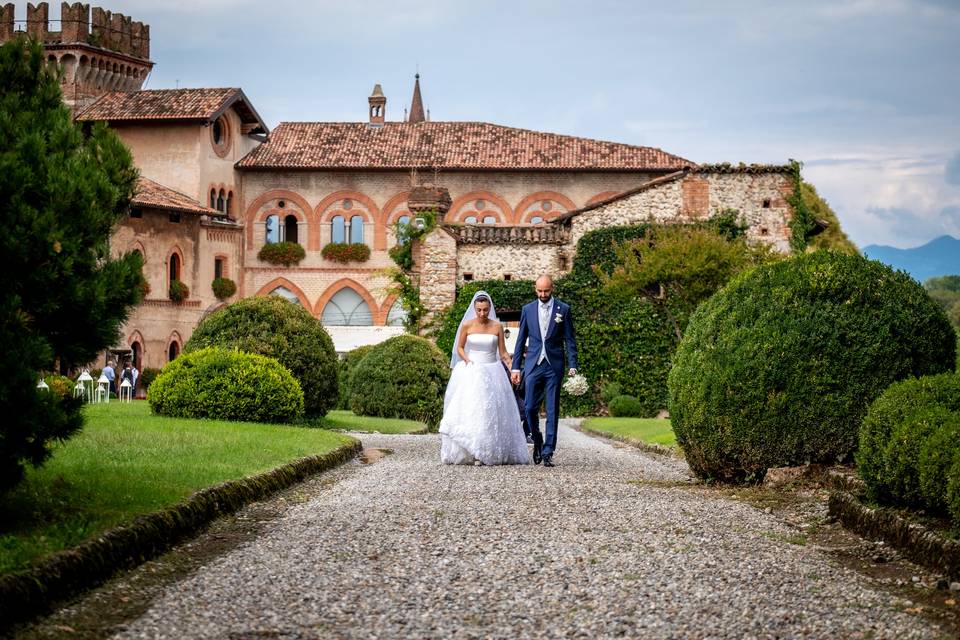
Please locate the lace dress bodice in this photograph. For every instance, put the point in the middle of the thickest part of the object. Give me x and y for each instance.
(482, 347)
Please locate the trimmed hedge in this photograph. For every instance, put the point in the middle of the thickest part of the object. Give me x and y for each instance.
(282, 253)
(403, 377)
(348, 363)
(625, 407)
(274, 327)
(779, 367)
(226, 385)
(906, 453)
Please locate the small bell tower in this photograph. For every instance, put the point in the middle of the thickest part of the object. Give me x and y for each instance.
(378, 107)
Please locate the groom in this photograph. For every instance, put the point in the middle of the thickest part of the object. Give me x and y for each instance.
(548, 326)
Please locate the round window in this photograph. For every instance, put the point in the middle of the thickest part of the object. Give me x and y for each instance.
(220, 136)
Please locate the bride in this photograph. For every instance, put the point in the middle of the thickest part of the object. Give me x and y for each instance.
(481, 422)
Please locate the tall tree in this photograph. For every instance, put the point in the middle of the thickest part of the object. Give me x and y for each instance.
(62, 297)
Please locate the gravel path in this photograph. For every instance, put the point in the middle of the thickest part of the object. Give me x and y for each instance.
(608, 543)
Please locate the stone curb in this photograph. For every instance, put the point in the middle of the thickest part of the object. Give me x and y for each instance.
(648, 447)
(915, 541)
(69, 572)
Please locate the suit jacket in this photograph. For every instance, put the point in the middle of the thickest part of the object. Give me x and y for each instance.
(560, 336)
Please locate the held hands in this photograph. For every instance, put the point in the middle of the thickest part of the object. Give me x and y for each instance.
(572, 372)
(515, 377)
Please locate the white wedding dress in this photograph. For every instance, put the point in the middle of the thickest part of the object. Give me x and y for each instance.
(480, 416)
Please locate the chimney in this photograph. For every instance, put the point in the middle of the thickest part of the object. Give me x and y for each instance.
(378, 107)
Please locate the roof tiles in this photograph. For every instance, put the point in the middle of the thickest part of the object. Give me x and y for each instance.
(153, 195)
(445, 145)
(160, 104)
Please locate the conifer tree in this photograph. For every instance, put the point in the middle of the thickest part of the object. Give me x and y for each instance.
(62, 296)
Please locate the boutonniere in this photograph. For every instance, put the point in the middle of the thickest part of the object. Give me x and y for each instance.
(558, 318)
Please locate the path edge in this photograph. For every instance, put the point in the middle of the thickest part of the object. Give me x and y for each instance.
(915, 541)
(67, 573)
(647, 447)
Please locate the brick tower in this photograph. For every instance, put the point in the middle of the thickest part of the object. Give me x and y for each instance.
(99, 51)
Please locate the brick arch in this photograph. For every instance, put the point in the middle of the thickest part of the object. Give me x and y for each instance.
(273, 194)
(321, 213)
(136, 245)
(456, 213)
(173, 337)
(601, 196)
(175, 249)
(350, 283)
(519, 213)
(283, 282)
(385, 307)
(136, 336)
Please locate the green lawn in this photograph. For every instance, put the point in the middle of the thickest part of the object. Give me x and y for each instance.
(349, 421)
(126, 462)
(648, 430)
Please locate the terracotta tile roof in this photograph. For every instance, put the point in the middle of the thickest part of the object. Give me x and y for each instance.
(445, 145)
(203, 105)
(153, 195)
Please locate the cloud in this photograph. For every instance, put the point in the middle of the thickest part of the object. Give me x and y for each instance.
(916, 227)
(952, 171)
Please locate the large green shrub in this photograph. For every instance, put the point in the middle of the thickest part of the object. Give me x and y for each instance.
(897, 429)
(779, 367)
(403, 377)
(347, 364)
(226, 384)
(939, 454)
(625, 407)
(275, 327)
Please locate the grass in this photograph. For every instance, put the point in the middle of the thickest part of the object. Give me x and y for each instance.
(645, 430)
(126, 462)
(349, 421)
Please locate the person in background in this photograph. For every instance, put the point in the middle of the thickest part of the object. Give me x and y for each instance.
(136, 374)
(111, 374)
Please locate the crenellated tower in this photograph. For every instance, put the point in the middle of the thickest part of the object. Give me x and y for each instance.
(99, 51)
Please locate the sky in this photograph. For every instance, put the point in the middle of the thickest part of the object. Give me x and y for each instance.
(866, 93)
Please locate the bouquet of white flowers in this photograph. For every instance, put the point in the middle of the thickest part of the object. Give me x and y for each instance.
(576, 385)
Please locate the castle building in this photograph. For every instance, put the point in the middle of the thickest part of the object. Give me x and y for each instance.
(218, 186)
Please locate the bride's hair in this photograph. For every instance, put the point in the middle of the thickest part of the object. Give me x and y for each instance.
(481, 299)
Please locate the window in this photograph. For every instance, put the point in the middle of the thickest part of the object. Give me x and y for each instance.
(356, 230)
(136, 213)
(173, 351)
(218, 132)
(470, 220)
(220, 136)
(174, 217)
(221, 202)
(290, 228)
(174, 267)
(347, 308)
(467, 277)
(766, 203)
(397, 315)
(536, 220)
(213, 198)
(272, 229)
(283, 292)
(489, 220)
(337, 230)
(229, 208)
(137, 351)
(507, 277)
(403, 224)
(217, 268)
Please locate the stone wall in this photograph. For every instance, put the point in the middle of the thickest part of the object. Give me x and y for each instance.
(496, 262)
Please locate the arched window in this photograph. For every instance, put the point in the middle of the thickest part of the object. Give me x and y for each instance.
(356, 230)
(397, 315)
(137, 351)
(174, 267)
(347, 308)
(229, 208)
(290, 229)
(403, 229)
(213, 198)
(471, 220)
(337, 230)
(272, 229)
(285, 293)
(173, 351)
(536, 220)
(221, 201)
(489, 220)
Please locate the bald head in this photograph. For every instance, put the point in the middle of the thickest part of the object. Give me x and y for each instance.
(544, 288)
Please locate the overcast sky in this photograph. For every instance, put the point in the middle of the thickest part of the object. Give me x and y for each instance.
(865, 92)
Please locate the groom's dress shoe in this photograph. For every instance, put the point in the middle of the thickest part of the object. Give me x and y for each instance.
(536, 454)
(548, 461)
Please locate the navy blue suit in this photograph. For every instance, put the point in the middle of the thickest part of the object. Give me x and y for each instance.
(543, 378)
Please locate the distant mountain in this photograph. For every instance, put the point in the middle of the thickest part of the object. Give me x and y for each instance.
(939, 257)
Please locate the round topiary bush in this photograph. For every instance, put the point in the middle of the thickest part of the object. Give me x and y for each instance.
(895, 438)
(223, 288)
(778, 368)
(274, 327)
(226, 385)
(625, 407)
(403, 377)
(939, 454)
(348, 363)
